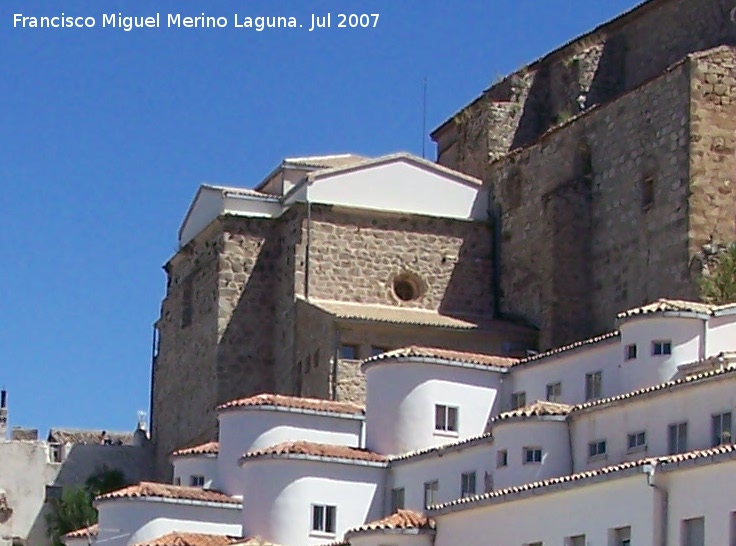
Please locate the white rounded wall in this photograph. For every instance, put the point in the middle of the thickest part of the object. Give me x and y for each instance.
(250, 429)
(401, 397)
(685, 335)
(196, 465)
(551, 436)
(277, 504)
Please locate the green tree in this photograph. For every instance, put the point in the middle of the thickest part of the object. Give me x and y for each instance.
(718, 280)
(74, 509)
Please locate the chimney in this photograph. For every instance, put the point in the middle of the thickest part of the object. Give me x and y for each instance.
(3, 414)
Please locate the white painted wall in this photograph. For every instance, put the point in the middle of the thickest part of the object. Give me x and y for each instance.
(447, 469)
(721, 335)
(685, 334)
(402, 186)
(401, 398)
(395, 539)
(196, 465)
(130, 521)
(569, 368)
(550, 518)
(694, 404)
(253, 428)
(277, 502)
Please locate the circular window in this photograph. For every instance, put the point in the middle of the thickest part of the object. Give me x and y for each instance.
(407, 287)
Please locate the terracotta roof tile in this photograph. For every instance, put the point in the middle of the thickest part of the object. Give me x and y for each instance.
(725, 362)
(663, 305)
(75, 436)
(317, 450)
(444, 448)
(293, 402)
(458, 357)
(168, 491)
(190, 539)
(210, 448)
(401, 315)
(402, 519)
(540, 408)
(84, 532)
(565, 348)
(581, 476)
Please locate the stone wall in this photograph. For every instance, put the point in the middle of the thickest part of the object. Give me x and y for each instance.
(355, 255)
(712, 149)
(579, 243)
(591, 70)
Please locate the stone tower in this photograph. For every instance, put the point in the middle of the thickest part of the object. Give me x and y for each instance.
(610, 162)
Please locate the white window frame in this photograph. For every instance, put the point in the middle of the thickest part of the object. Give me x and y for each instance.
(554, 392)
(593, 385)
(431, 489)
(468, 479)
(629, 354)
(536, 455)
(518, 400)
(446, 419)
(720, 433)
(398, 499)
(502, 458)
(324, 519)
(196, 480)
(661, 347)
(680, 437)
(597, 449)
(636, 441)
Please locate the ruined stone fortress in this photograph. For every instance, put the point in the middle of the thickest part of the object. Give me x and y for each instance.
(583, 184)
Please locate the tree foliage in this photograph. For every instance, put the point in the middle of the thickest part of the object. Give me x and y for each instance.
(74, 509)
(718, 280)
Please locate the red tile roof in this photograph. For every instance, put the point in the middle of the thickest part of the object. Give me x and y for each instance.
(701, 454)
(572, 346)
(168, 491)
(210, 448)
(190, 539)
(454, 357)
(84, 532)
(293, 402)
(402, 519)
(540, 408)
(317, 450)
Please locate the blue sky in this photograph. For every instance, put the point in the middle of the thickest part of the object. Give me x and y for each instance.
(105, 136)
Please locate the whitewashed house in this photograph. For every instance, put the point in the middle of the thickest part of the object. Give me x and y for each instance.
(617, 440)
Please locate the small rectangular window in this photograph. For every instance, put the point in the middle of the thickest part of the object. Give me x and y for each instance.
(693, 532)
(532, 455)
(577, 540)
(445, 418)
(397, 499)
(677, 438)
(348, 352)
(196, 481)
(56, 452)
(661, 348)
(324, 518)
(518, 400)
(593, 383)
(467, 484)
(554, 392)
(622, 536)
(53, 492)
(430, 492)
(630, 351)
(597, 448)
(647, 194)
(637, 441)
(502, 458)
(721, 426)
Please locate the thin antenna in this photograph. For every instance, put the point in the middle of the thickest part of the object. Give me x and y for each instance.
(424, 120)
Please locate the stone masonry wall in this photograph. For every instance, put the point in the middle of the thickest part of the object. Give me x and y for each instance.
(589, 71)
(355, 256)
(579, 243)
(712, 149)
(184, 382)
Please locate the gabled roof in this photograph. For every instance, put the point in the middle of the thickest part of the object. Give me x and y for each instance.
(190, 539)
(325, 161)
(303, 449)
(210, 448)
(669, 462)
(168, 491)
(403, 157)
(91, 531)
(273, 401)
(402, 520)
(442, 356)
(540, 408)
(411, 316)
